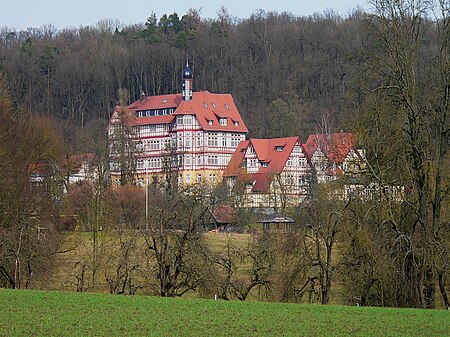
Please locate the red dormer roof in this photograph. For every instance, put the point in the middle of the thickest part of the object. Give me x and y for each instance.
(267, 151)
(208, 107)
(335, 146)
(275, 152)
(156, 102)
(234, 167)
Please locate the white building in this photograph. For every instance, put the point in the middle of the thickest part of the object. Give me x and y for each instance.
(201, 129)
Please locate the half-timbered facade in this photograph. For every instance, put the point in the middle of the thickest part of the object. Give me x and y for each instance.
(334, 154)
(198, 131)
(270, 173)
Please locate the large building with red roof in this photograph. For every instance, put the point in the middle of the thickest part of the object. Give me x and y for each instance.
(270, 173)
(201, 129)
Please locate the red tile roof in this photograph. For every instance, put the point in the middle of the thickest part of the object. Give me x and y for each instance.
(234, 167)
(266, 151)
(335, 146)
(204, 105)
(209, 107)
(262, 181)
(156, 102)
(224, 214)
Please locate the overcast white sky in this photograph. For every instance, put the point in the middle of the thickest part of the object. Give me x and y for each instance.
(21, 14)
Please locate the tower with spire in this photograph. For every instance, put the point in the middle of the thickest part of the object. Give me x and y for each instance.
(187, 82)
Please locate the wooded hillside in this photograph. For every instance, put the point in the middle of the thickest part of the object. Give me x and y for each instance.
(283, 71)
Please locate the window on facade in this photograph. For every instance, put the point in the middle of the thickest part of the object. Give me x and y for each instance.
(167, 143)
(140, 164)
(187, 120)
(199, 160)
(212, 178)
(290, 162)
(235, 139)
(212, 139)
(213, 160)
(290, 179)
(224, 141)
(301, 180)
(188, 178)
(154, 163)
(199, 178)
(302, 162)
(188, 141)
(152, 145)
(114, 166)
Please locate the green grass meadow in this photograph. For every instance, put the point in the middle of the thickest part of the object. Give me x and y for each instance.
(46, 313)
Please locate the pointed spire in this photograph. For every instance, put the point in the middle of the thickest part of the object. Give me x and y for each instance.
(187, 82)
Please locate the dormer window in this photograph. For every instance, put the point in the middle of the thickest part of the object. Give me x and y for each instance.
(264, 164)
(236, 123)
(279, 148)
(223, 121)
(210, 122)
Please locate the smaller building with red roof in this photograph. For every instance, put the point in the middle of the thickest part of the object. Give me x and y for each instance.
(334, 154)
(269, 173)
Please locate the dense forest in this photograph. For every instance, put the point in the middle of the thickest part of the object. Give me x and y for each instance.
(383, 75)
(283, 71)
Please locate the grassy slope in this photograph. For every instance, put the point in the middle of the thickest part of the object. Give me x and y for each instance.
(77, 246)
(31, 313)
